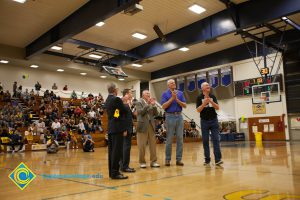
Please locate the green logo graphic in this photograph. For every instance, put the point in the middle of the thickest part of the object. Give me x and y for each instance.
(22, 176)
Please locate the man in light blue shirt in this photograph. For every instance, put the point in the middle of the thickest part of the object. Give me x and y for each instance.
(172, 102)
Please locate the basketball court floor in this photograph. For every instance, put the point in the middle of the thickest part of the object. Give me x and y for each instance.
(267, 171)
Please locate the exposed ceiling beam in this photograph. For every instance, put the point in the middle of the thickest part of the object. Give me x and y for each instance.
(224, 56)
(85, 17)
(102, 48)
(273, 28)
(248, 14)
(260, 40)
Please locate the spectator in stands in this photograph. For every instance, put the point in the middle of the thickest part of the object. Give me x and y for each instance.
(54, 86)
(1, 89)
(26, 95)
(87, 142)
(81, 127)
(38, 86)
(73, 139)
(56, 128)
(41, 127)
(15, 89)
(65, 88)
(74, 95)
(48, 110)
(42, 108)
(6, 96)
(52, 146)
(19, 91)
(46, 94)
(16, 139)
(78, 111)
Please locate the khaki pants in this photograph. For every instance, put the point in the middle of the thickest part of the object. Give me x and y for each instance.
(142, 140)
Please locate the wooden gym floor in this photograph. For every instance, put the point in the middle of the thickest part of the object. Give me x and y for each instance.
(268, 171)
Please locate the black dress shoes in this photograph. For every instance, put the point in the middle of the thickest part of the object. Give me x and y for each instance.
(129, 170)
(120, 176)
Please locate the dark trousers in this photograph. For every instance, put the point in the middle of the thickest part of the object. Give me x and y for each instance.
(115, 148)
(16, 144)
(213, 127)
(126, 150)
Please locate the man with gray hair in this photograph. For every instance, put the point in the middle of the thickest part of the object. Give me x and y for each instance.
(207, 105)
(146, 111)
(172, 102)
(116, 129)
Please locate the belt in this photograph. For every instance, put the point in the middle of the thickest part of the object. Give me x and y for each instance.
(174, 113)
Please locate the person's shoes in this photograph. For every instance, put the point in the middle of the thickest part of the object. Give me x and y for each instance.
(220, 162)
(155, 164)
(129, 170)
(120, 176)
(206, 164)
(179, 163)
(167, 163)
(143, 165)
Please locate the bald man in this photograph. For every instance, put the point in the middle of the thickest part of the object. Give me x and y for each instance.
(207, 105)
(172, 102)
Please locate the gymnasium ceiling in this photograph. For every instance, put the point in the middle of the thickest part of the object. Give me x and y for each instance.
(23, 23)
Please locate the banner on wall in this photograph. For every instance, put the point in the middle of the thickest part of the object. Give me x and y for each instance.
(180, 83)
(259, 108)
(213, 78)
(191, 83)
(201, 78)
(226, 76)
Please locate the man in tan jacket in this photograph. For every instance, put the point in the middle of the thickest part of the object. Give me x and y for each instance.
(146, 111)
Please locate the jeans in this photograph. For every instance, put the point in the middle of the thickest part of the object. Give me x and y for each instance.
(213, 127)
(174, 125)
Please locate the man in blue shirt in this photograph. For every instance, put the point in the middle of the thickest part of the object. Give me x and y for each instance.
(172, 102)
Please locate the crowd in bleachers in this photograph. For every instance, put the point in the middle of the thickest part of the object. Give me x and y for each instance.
(48, 115)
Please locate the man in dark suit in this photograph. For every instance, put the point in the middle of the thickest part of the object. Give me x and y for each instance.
(127, 100)
(116, 112)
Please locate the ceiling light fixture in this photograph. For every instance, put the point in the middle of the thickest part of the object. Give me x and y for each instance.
(83, 73)
(60, 70)
(4, 61)
(57, 48)
(197, 9)
(34, 66)
(136, 65)
(20, 1)
(95, 56)
(103, 76)
(184, 49)
(121, 79)
(100, 24)
(139, 36)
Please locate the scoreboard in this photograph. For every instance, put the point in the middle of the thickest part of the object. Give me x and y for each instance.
(244, 87)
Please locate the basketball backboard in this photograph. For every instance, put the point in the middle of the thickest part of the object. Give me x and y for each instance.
(266, 93)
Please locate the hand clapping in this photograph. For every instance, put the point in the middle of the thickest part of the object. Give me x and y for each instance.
(174, 95)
